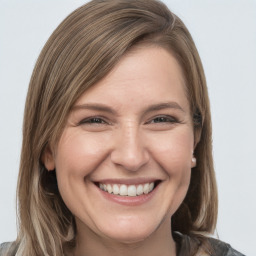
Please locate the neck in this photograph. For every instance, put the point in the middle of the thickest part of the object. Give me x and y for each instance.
(159, 243)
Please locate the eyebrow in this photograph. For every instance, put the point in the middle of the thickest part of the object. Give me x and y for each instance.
(108, 109)
(94, 106)
(165, 105)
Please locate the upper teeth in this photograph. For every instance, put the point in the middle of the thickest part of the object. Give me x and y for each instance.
(127, 190)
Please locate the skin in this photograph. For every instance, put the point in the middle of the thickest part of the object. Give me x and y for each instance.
(127, 138)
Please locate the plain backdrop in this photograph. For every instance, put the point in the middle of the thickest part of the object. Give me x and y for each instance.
(225, 34)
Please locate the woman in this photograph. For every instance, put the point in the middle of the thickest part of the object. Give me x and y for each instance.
(116, 155)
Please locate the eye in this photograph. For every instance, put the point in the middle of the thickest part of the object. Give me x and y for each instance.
(93, 120)
(163, 119)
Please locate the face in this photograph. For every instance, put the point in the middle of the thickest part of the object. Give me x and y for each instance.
(123, 162)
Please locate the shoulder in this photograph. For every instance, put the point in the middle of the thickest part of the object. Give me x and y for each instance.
(3, 248)
(9, 248)
(223, 249)
(214, 247)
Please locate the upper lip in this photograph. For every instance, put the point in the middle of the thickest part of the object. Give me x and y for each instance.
(136, 181)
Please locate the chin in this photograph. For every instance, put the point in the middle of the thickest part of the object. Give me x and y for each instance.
(128, 237)
(130, 230)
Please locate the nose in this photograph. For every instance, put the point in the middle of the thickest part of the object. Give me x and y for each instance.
(129, 150)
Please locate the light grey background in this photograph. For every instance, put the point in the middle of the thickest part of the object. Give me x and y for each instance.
(225, 34)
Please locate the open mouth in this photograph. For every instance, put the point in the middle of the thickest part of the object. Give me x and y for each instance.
(131, 190)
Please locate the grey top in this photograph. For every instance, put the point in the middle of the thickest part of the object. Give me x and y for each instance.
(224, 249)
(220, 248)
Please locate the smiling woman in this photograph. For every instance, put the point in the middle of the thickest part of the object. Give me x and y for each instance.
(131, 186)
(116, 155)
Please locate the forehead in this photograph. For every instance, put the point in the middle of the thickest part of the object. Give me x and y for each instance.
(145, 73)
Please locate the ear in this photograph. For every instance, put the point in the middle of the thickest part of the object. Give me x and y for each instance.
(48, 158)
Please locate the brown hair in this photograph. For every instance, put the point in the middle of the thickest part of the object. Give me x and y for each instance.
(79, 53)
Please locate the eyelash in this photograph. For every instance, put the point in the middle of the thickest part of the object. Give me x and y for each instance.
(164, 119)
(158, 119)
(93, 120)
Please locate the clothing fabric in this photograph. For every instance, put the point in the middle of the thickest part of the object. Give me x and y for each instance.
(220, 248)
(224, 249)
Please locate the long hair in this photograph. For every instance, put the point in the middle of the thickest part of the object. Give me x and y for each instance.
(80, 52)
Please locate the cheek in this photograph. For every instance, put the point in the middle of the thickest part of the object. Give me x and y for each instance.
(79, 154)
(173, 151)
(175, 159)
(182, 185)
(173, 154)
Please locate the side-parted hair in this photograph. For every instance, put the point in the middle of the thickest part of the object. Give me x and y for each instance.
(80, 52)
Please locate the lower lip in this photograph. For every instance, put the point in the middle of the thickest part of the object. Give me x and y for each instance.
(129, 200)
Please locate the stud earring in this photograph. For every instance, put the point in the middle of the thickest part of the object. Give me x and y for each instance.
(193, 161)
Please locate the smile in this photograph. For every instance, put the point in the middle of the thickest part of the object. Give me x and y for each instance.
(133, 192)
(127, 190)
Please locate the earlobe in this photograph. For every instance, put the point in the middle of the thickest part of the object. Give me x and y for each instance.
(193, 162)
(48, 159)
(197, 136)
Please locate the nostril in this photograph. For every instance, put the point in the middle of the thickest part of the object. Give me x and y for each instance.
(128, 162)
